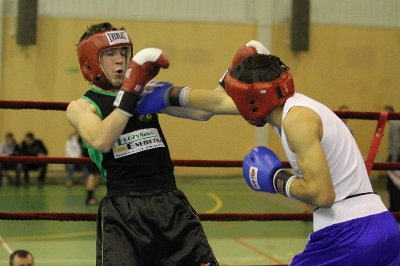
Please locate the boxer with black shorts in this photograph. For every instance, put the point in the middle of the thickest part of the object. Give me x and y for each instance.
(144, 220)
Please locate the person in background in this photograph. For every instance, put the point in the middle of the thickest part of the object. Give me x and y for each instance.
(21, 258)
(346, 120)
(73, 149)
(91, 184)
(393, 180)
(32, 147)
(93, 176)
(9, 147)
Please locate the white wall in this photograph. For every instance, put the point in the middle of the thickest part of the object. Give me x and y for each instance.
(368, 13)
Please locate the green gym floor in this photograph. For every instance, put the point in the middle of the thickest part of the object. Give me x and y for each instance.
(234, 243)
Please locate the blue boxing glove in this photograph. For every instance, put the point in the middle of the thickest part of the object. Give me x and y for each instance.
(153, 97)
(158, 95)
(263, 171)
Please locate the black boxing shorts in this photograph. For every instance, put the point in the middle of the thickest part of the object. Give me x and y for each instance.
(147, 230)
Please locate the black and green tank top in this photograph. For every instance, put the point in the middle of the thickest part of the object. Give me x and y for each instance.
(141, 150)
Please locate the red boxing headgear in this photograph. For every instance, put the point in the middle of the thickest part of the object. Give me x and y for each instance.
(89, 51)
(255, 101)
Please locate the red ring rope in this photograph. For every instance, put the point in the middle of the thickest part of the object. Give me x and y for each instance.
(62, 106)
(176, 162)
(59, 106)
(219, 217)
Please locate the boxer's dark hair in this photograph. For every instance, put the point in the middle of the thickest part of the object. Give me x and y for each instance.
(258, 68)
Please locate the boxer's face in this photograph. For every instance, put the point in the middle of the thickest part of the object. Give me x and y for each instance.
(113, 62)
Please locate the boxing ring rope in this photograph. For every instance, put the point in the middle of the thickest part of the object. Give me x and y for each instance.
(382, 118)
(176, 162)
(220, 217)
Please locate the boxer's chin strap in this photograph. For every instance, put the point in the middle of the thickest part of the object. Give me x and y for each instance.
(282, 181)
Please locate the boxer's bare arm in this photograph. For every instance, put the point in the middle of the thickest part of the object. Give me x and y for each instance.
(98, 133)
(304, 132)
(189, 113)
(203, 104)
(215, 101)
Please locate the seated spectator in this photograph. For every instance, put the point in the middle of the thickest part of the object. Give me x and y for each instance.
(73, 149)
(93, 176)
(8, 147)
(32, 147)
(393, 178)
(21, 258)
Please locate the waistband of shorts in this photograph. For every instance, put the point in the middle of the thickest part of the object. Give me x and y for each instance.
(348, 209)
(141, 186)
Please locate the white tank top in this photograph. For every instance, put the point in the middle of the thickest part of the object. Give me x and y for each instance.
(346, 164)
